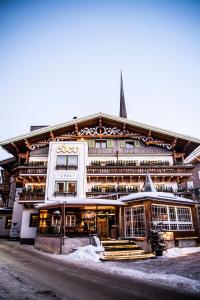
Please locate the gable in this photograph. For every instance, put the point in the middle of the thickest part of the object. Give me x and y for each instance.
(102, 126)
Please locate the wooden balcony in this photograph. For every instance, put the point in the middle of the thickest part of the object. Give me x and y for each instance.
(183, 170)
(35, 171)
(31, 196)
(104, 195)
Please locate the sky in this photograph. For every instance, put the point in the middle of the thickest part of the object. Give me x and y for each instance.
(60, 59)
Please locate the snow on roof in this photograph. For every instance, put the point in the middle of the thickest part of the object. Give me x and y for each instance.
(154, 195)
(81, 201)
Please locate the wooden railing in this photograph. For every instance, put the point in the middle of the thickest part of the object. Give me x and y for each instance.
(33, 170)
(140, 170)
(31, 196)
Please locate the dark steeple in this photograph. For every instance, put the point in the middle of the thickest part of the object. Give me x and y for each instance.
(122, 112)
(148, 185)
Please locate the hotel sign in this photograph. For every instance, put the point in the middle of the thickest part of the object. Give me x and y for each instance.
(67, 149)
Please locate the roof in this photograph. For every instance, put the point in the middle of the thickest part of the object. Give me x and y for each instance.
(80, 201)
(194, 156)
(155, 196)
(148, 184)
(190, 143)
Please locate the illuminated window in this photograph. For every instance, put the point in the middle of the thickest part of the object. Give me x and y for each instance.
(8, 222)
(70, 221)
(33, 220)
(134, 221)
(172, 217)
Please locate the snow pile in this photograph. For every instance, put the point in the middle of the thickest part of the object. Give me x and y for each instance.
(87, 253)
(174, 281)
(175, 252)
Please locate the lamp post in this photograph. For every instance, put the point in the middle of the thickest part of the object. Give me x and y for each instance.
(63, 222)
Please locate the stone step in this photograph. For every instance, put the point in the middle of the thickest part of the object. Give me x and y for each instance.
(121, 253)
(120, 247)
(116, 242)
(127, 257)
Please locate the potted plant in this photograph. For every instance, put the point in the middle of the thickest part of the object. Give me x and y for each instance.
(157, 242)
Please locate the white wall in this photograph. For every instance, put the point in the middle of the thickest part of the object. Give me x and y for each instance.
(26, 231)
(16, 216)
(78, 175)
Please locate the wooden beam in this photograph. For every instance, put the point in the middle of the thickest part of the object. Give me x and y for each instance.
(15, 146)
(174, 142)
(31, 178)
(28, 145)
(76, 128)
(100, 121)
(124, 127)
(187, 144)
(52, 136)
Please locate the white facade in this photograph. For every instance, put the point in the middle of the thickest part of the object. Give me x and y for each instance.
(56, 175)
(28, 231)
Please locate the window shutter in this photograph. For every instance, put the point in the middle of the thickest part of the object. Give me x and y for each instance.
(109, 143)
(91, 143)
(137, 144)
(122, 144)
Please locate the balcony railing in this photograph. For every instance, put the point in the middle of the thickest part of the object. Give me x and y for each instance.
(32, 171)
(65, 194)
(65, 167)
(31, 196)
(167, 170)
(128, 163)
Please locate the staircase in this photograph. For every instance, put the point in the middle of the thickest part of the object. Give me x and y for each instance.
(116, 250)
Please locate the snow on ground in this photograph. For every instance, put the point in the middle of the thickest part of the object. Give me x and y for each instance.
(88, 258)
(175, 252)
(84, 254)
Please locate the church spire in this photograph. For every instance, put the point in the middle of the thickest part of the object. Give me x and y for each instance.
(148, 184)
(122, 112)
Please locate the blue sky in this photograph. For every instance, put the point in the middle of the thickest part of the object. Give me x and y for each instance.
(60, 59)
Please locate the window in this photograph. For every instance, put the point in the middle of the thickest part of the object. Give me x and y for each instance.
(134, 221)
(172, 217)
(159, 213)
(8, 222)
(129, 144)
(67, 162)
(99, 144)
(132, 144)
(70, 221)
(33, 220)
(65, 187)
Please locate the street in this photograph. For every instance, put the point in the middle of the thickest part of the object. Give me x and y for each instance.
(25, 274)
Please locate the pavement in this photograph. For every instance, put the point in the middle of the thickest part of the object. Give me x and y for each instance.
(25, 274)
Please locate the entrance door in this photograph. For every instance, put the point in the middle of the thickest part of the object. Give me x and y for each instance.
(102, 226)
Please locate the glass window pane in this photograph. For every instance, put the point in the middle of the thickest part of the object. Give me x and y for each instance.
(172, 214)
(71, 187)
(72, 161)
(183, 214)
(61, 160)
(60, 187)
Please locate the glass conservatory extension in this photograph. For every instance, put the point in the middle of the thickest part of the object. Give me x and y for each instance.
(163, 218)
